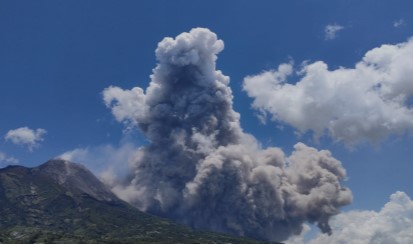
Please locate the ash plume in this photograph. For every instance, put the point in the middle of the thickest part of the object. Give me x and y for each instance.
(201, 169)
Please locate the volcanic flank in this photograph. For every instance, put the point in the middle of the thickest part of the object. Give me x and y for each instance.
(63, 202)
(201, 169)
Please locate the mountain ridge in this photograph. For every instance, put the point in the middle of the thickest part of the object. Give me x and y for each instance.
(61, 200)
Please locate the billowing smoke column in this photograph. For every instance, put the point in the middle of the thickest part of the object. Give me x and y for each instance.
(201, 169)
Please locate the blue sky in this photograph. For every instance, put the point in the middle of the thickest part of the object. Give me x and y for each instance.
(56, 58)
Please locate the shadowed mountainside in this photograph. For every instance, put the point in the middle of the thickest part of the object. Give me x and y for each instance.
(60, 202)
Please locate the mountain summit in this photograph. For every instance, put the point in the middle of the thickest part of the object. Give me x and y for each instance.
(75, 177)
(61, 201)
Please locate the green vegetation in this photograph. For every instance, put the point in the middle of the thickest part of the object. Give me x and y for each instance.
(35, 208)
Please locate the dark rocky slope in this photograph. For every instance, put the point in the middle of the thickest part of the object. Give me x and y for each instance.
(63, 202)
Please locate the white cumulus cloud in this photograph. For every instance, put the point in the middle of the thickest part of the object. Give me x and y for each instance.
(392, 224)
(26, 137)
(331, 31)
(368, 102)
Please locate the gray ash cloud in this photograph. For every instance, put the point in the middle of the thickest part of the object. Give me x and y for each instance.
(199, 167)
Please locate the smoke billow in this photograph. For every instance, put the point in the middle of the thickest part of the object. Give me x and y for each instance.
(201, 169)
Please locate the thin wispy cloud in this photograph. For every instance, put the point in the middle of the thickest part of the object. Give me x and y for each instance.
(399, 23)
(108, 162)
(331, 31)
(25, 136)
(7, 160)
